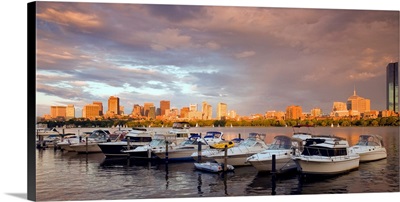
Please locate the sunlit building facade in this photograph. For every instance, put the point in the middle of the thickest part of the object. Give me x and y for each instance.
(113, 105)
(222, 110)
(164, 105)
(357, 103)
(293, 112)
(58, 111)
(100, 105)
(70, 112)
(91, 111)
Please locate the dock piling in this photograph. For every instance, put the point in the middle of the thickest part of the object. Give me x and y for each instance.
(198, 151)
(87, 144)
(273, 172)
(166, 152)
(225, 158)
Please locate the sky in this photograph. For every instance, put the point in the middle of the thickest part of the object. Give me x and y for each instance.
(254, 59)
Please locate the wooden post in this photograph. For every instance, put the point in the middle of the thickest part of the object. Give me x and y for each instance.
(239, 137)
(128, 143)
(273, 174)
(226, 158)
(87, 144)
(166, 152)
(198, 151)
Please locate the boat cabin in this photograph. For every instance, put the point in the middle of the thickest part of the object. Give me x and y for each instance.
(281, 142)
(328, 147)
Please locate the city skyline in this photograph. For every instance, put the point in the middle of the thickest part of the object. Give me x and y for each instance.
(254, 59)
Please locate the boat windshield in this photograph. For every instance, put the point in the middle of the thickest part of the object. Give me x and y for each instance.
(280, 143)
(212, 135)
(366, 140)
(157, 142)
(249, 142)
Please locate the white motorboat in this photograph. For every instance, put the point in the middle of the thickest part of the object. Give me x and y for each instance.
(66, 142)
(237, 156)
(370, 148)
(282, 148)
(213, 137)
(158, 143)
(90, 146)
(184, 150)
(127, 141)
(47, 137)
(326, 155)
(212, 167)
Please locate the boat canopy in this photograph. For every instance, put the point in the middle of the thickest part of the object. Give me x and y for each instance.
(370, 140)
(281, 142)
(213, 134)
(181, 125)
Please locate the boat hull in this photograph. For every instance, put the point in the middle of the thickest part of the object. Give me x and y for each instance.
(370, 153)
(82, 148)
(234, 160)
(326, 165)
(115, 149)
(281, 165)
(182, 155)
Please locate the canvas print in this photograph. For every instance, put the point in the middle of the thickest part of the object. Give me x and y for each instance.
(150, 101)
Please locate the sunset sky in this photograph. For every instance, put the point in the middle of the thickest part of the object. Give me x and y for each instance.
(252, 59)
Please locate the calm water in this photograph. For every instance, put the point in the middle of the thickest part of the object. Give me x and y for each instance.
(70, 176)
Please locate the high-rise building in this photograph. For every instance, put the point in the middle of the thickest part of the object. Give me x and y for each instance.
(184, 112)
(113, 105)
(136, 111)
(58, 111)
(164, 105)
(70, 113)
(339, 106)
(91, 111)
(222, 110)
(146, 108)
(392, 87)
(101, 107)
(193, 107)
(357, 103)
(152, 112)
(293, 112)
(206, 111)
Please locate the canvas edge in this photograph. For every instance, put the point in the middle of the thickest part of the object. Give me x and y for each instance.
(31, 99)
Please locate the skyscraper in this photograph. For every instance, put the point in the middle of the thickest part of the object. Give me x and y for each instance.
(164, 105)
(206, 110)
(293, 112)
(100, 106)
(392, 86)
(357, 103)
(222, 110)
(58, 111)
(91, 111)
(113, 105)
(70, 114)
(146, 108)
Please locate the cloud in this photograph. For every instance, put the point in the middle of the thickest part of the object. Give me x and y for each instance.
(70, 18)
(245, 54)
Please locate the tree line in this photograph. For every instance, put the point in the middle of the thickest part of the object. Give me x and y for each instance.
(260, 122)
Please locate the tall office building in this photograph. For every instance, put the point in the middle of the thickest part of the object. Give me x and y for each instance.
(222, 110)
(293, 112)
(58, 111)
(316, 112)
(70, 113)
(91, 111)
(339, 106)
(136, 111)
(164, 105)
(184, 112)
(206, 111)
(392, 87)
(357, 103)
(100, 107)
(193, 107)
(146, 108)
(152, 112)
(113, 105)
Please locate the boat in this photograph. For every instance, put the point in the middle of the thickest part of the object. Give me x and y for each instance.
(158, 143)
(136, 137)
(326, 155)
(180, 130)
(223, 145)
(212, 167)
(47, 137)
(90, 144)
(237, 156)
(213, 137)
(184, 150)
(370, 148)
(68, 140)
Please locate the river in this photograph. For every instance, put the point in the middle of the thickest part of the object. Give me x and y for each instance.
(70, 176)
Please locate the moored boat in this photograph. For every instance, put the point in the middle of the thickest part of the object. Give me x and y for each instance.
(237, 156)
(326, 155)
(127, 141)
(370, 148)
(212, 167)
(91, 146)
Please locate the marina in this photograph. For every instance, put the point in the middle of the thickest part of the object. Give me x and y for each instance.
(68, 175)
